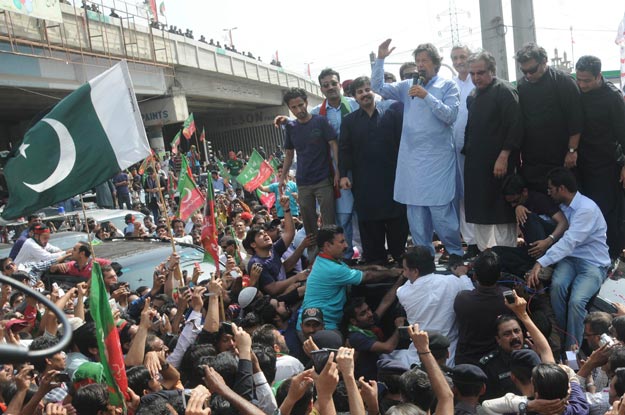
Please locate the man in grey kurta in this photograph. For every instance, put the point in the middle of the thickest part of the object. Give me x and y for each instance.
(426, 167)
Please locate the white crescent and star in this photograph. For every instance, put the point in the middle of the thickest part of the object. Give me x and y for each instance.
(187, 196)
(67, 157)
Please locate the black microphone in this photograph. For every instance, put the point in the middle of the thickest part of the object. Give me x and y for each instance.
(418, 78)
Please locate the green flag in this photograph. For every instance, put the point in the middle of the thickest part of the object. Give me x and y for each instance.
(109, 345)
(188, 128)
(256, 171)
(175, 143)
(87, 138)
(191, 198)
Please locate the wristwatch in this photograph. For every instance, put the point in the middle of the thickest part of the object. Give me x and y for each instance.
(572, 150)
(522, 408)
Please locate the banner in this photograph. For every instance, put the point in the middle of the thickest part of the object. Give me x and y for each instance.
(40, 9)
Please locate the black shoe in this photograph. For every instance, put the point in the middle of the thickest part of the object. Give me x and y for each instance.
(472, 252)
(444, 258)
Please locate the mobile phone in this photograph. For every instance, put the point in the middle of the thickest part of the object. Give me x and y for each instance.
(227, 328)
(606, 339)
(403, 333)
(62, 377)
(509, 296)
(320, 358)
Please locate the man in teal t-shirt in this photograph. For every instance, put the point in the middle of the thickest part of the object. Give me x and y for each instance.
(326, 286)
(290, 190)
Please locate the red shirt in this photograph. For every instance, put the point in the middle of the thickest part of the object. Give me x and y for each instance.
(72, 268)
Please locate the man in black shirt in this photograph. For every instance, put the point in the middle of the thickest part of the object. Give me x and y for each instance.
(370, 137)
(540, 221)
(601, 163)
(552, 116)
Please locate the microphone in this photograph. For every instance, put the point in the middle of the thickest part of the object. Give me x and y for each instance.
(418, 78)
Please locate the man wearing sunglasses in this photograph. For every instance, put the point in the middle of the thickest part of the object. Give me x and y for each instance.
(552, 116)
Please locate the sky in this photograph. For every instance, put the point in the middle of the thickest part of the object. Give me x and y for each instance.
(341, 34)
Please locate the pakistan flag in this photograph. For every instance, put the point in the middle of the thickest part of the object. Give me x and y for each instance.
(87, 138)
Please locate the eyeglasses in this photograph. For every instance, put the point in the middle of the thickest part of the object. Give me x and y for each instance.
(531, 71)
(329, 84)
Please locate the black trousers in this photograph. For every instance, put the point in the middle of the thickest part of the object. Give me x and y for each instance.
(375, 233)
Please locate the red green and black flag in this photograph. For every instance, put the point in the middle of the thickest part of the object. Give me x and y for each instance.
(109, 345)
(188, 128)
(203, 135)
(191, 199)
(175, 143)
(209, 230)
(256, 171)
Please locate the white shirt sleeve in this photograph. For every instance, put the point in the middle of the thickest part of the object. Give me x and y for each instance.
(191, 330)
(266, 400)
(509, 403)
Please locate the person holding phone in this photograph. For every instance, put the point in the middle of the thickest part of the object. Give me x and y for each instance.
(53, 365)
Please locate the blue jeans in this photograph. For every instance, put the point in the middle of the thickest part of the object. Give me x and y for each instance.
(573, 284)
(344, 220)
(424, 220)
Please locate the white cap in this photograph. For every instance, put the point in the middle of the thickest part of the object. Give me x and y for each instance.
(246, 296)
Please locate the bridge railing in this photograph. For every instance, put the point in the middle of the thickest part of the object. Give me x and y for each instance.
(130, 36)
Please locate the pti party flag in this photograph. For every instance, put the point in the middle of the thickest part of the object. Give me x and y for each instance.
(87, 138)
(188, 128)
(256, 171)
(152, 9)
(161, 8)
(203, 135)
(209, 230)
(191, 199)
(109, 345)
(175, 143)
(223, 172)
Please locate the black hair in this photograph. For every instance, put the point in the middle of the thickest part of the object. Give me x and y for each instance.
(432, 52)
(416, 388)
(14, 296)
(251, 237)
(405, 66)
(589, 63)
(226, 365)
(617, 358)
(469, 389)
(31, 217)
(302, 405)
(85, 248)
(523, 373)
(193, 355)
(619, 384)
(598, 321)
(340, 398)
(421, 258)
(294, 93)
(221, 406)
(156, 406)
(85, 338)
(487, 268)
(513, 184)
(138, 379)
(329, 72)
(267, 361)
(264, 335)
(90, 399)
(504, 318)
(550, 381)
(387, 77)
(40, 343)
(327, 234)
(531, 51)
(391, 380)
(561, 176)
(360, 82)
(618, 323)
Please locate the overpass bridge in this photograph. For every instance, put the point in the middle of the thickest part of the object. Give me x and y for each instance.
(233, 96)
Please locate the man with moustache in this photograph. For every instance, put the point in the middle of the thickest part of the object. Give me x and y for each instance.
(311, 136)
(370, 137)
(459, 56)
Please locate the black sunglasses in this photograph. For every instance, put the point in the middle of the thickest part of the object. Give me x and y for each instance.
(531, 71)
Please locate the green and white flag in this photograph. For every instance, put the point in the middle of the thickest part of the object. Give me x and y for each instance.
(87, 138)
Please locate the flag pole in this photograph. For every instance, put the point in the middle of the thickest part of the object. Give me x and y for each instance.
(177, 272)
(84, 214)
